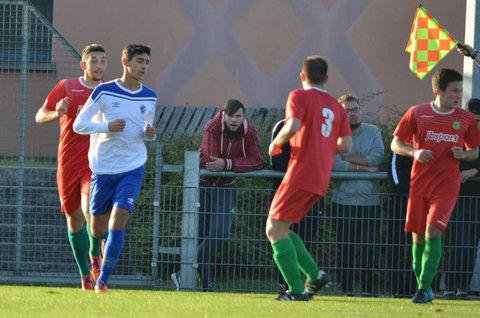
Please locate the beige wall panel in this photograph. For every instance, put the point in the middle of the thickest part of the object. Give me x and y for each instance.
(270, 33)
(255, 47)
(222, 87)
(116, 23)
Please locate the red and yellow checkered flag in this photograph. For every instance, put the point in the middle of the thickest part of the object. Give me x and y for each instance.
(429, 42)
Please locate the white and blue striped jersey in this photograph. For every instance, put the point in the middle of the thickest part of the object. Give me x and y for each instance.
(116, 152)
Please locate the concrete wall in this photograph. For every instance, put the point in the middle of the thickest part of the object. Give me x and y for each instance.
(205, 52)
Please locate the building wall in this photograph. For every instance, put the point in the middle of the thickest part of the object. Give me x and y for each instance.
(205, 52)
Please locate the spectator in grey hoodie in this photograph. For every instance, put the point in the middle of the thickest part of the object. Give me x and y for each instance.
(356, 203)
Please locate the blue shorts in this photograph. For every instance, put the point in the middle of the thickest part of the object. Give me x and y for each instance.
(120, 190)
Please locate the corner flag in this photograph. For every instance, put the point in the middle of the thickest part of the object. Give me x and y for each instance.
(429, 42)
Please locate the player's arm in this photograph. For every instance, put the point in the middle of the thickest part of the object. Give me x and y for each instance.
(55, 105)
(85, 125)
(149, 133)
(400, 147)
(292, 125)
(45, 116)
(468, 154)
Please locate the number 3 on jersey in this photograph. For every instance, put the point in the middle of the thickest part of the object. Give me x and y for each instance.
(327, 125)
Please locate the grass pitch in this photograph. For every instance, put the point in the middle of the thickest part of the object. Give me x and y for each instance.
(27, 301)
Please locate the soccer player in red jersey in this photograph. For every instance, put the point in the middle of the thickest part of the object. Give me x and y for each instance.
(317, 128)
(64, 103)
(442, 134)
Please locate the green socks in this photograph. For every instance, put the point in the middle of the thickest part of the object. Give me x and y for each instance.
(79, 244)
(305, 260)
(430, 261)
(285, 257)
(417, 252)
(95, 243)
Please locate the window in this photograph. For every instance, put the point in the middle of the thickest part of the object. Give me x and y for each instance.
(11, 33)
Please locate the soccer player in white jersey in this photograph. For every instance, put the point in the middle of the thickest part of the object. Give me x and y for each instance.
(119, 117)
(442, 134)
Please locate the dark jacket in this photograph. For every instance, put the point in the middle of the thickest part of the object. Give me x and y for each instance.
(470, 187)
(241, 152)
(279, 162)
(399, 168)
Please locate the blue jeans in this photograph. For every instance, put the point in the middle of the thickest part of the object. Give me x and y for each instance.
(215, 221)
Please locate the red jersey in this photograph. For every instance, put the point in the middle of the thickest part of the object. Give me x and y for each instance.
(72, 147)
(438, 132)
(313, 147)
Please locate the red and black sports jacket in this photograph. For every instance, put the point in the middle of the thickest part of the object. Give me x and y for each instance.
(241, 154)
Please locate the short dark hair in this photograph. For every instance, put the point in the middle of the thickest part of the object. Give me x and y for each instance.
(443, 77)
(232, 106)
(91, 48)
(348, 98)
(135, 49)
(473, 106)
(315, 68)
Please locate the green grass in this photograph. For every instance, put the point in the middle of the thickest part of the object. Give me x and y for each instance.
(26, 301)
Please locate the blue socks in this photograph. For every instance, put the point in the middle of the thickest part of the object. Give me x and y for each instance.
(112, 252)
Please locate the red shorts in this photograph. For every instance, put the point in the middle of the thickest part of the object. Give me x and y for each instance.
(72, 185)
(435, 211)
(291, 204)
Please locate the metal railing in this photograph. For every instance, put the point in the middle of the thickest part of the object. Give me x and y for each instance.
(163, 235)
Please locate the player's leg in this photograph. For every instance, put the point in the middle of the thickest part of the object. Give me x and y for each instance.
(113, 247)
(100, 206)
(417, 210)
(284, 253)
(77, 236)
(418, 246)
(69, 191)
(440, 211)
(306, 230)
(431, 256)
(95, 243)
(123, 190)
(316, 279)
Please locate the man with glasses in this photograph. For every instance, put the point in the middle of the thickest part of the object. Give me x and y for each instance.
(356, 203)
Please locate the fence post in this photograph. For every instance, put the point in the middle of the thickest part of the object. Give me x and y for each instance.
(189, 247)
(21, 155)
(156, 211)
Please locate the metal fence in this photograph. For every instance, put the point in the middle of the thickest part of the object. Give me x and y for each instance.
(162, 236)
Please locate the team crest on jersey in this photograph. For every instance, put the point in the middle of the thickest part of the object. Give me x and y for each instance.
(143, 109)
(456, 125)
(116, 105)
